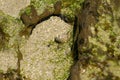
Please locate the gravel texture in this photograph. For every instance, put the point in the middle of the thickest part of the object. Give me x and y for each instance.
(13, 7)
(8, 60)
(43, 58)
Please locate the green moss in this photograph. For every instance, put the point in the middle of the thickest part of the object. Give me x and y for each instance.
(41, 5)
(1, 71)
(28, 10)
(104, 45)
(70, 7)
(62, 59)
(11, 27)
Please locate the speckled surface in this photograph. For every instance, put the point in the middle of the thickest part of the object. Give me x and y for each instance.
(8, 60)
(13, 7)
(45, 59)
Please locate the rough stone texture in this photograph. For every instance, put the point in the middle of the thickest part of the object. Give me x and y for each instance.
(99, 56)
(13, 7)
(8, 60)
(43, 58)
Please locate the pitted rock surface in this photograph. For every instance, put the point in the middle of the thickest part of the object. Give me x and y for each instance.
(13, 7)
(43, 58)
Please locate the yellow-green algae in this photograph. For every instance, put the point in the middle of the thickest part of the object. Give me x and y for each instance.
(69, 7)
(43, 58)
(62, 62)
(104, 63)
(11, 27)
(41, 5)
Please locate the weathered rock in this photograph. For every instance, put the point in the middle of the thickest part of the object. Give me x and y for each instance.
(31, 18)
(96, 47)
(13, 7)
(43, 58)
(8, 60)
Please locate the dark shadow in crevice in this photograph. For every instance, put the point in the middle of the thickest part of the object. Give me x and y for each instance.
(31, 20)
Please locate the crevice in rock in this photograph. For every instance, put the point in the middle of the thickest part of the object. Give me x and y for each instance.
(19, 57)
(30, 21)
(83, 20)
(4, 39)
(14, 74)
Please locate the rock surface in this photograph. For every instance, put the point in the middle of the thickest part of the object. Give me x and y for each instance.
(8, 60)
(43, 58)
(13, 7)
